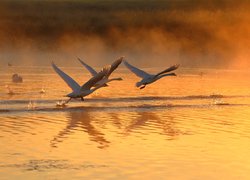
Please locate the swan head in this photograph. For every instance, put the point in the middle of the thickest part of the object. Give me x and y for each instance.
(119, 79)
(170, 74)
(115, 79)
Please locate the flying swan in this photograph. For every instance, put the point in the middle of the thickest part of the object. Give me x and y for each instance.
(114, 65)
(85, 89)
(149, 78)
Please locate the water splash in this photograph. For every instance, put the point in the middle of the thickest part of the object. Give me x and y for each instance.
(61, 104)
(42, 91)
(32, 105)
(10, 91)
(219, 102)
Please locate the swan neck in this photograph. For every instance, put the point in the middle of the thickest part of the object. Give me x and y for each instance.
(163, 75)
(114, 79)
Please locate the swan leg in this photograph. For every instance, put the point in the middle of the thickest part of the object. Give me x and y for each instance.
(66, 102)
(142, 86)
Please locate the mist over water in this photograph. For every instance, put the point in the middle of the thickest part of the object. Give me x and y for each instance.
(192, 33)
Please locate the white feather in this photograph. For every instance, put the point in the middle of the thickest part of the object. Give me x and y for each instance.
(70, 82)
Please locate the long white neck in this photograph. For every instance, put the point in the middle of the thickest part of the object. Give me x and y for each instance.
(97, 87)
(163, 75)
(115, 79)
(104, 83)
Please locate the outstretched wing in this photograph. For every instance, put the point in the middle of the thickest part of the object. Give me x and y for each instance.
(70, 82)
(90, 69)
(171, 68)
(114, 65)
(138, 72)
(92, 81)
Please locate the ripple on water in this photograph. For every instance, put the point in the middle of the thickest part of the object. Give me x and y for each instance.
(51, 164)
(154, 133)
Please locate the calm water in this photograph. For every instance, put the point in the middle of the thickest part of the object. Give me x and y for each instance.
(185, 127)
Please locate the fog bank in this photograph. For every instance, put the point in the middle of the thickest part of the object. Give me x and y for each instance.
(192, 33)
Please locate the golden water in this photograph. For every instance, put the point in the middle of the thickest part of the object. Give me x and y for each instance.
(184, 127)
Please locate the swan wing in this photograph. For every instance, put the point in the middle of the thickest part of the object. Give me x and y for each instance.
(90, 69)
(70, 82)
(92, 81)
(136, 71)
(114, 65)
(171, 68)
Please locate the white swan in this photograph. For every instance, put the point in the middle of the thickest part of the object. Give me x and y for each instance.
(112, 67)
(17, 78)
(85, 89)
(149, 78)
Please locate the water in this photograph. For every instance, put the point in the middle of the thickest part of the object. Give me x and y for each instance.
(184, 127)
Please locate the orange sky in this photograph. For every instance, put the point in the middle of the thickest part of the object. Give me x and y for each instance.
(214, 34)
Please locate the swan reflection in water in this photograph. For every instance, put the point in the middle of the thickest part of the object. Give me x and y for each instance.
(80, 120)
(144, 122)
(151, 121)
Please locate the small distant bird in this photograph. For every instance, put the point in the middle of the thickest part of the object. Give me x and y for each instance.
(88, 87)
(9, 64)
(42, 91)
(201, 74)
(149, 78)
(113, 66)
(17, 78)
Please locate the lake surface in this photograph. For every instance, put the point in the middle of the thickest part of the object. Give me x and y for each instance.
(193, 126)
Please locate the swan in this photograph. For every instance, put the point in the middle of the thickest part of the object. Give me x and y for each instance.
(16, 78)
(113, 66)
(85, 89)
(149, 78)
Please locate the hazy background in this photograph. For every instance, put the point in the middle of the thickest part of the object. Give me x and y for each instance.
(202, 33)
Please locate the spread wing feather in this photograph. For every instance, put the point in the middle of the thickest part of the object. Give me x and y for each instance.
(114, 65)
(90, 69)
(70, 82)
(136, 71)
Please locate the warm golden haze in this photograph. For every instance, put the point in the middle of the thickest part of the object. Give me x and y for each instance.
(173, 102)
(189, 124)
(194, 33)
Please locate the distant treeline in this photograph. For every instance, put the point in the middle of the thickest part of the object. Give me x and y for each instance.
(194, 26)
(48, 20)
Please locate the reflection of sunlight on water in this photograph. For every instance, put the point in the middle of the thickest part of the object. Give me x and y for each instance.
(173, 123)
